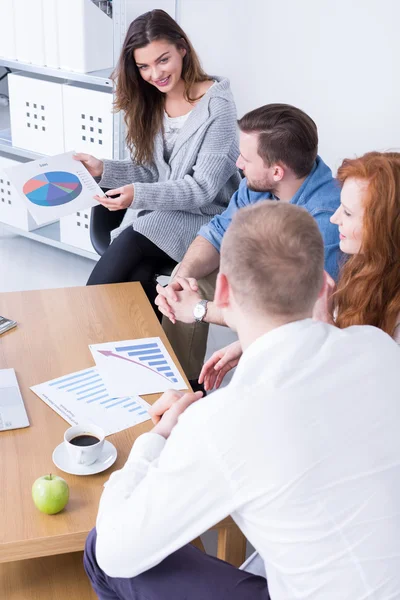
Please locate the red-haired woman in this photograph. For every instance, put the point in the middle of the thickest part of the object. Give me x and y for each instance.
(368, 290)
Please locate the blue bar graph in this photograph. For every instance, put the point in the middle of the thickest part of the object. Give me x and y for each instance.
(119, 401)
(151, 355)
(144, 353)
(92, 379)
(57, 382)
(95, 387)
(130, 404)
(83, 382)
(97, 398)
(83, 397)
(136, 347)
(103, 389)
(108, 400)
(88, 386)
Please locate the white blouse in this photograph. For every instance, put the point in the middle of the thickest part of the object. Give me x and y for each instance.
(172, 127)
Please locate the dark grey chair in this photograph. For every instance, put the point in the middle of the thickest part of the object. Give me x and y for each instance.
(102, 222)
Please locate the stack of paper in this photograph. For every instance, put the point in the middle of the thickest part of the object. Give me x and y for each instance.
(108, 394)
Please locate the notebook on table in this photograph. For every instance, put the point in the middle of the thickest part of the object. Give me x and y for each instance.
(12, 409)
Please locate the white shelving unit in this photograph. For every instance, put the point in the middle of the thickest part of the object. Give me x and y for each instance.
(50, 234)
(101, 78)
(123, 12)
(97, 79)
(6, 146)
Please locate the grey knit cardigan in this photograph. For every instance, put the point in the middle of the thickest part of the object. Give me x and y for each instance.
(174, 198)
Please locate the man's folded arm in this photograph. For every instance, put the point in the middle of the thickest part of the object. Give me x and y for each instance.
(168, 493)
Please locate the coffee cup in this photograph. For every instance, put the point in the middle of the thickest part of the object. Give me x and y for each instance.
(84, 443)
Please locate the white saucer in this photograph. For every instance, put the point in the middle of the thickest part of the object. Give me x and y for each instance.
(63, 461)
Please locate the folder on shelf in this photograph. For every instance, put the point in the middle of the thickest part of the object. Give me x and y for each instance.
(50, 27)
(7, 30)
(29, 33)
(85, 36)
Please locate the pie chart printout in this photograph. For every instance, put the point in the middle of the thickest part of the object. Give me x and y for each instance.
(53, 188)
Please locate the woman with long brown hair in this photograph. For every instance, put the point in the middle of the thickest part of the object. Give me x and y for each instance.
(368, 289)
(181, 133)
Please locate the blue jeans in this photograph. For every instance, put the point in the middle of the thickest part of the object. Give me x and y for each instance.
(187, 574)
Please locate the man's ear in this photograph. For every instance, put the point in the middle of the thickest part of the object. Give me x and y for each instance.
(222, 291)
(326, 285)
(279, 172)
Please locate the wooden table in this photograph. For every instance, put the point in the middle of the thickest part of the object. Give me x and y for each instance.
(54, 330)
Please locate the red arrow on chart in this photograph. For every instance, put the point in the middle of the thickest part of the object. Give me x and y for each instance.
(111, 353)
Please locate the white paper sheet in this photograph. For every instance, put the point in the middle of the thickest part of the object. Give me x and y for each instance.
(82, 397)
(54, 186)
(142, 366)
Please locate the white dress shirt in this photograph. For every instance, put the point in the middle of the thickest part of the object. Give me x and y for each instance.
(302, 449)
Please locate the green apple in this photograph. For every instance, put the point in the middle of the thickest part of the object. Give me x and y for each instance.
(50, 494)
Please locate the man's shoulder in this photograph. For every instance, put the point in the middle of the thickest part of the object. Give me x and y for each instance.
(321, 190)
(368, 334)
(365, 347)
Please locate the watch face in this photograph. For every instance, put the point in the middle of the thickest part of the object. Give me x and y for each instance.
(199, 311)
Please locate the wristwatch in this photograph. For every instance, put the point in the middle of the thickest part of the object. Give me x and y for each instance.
(200, 310)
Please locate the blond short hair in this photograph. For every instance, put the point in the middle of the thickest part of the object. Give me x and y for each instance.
(273, 257)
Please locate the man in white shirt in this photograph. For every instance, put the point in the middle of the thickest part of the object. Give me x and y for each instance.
(302, 448)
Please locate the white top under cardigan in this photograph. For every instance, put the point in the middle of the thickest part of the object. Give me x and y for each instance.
(302, 448)
(172, 127)
(177, 196)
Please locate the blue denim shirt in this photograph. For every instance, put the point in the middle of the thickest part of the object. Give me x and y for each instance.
(319, 194)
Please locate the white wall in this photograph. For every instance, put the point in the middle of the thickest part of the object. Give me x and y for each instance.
(134, 8)
(339, 60)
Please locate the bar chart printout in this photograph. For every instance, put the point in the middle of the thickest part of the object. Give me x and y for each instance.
(83, 397)
(141, 366)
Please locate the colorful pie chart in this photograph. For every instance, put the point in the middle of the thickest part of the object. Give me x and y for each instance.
(52, 189)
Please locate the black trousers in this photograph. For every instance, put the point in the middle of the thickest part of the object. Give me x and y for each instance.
(131, 257)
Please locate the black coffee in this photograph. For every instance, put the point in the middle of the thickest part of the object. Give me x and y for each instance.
(84, 439)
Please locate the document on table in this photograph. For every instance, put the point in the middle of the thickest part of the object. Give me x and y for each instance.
(142, 366)
(82, 397)
(54, 186)
(12, 409)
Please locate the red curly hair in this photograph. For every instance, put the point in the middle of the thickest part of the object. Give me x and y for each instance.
(368, 291)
